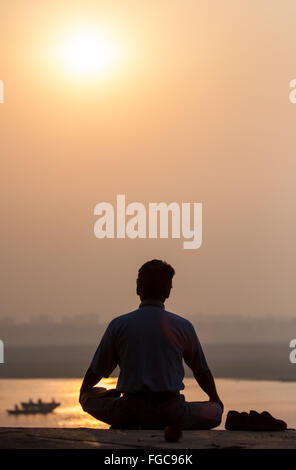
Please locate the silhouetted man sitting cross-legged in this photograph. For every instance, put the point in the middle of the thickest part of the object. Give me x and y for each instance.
(149, 344)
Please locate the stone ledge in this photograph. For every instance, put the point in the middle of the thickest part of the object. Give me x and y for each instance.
(87, 438)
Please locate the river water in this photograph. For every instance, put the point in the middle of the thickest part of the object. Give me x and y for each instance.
(276, 397)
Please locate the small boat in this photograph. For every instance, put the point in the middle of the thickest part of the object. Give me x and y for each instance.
(31, 408)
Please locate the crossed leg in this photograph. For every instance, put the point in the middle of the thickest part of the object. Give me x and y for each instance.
(109, 407)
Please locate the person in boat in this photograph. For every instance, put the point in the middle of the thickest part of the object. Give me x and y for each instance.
(149, 344)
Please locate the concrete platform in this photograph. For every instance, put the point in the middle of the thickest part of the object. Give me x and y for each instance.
(87, 438)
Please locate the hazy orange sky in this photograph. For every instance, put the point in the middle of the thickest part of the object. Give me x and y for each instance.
(197, 109)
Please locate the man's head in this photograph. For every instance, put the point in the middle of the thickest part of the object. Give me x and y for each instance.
(155, 280)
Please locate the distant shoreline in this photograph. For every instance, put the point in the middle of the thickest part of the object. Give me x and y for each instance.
(238, 379)
(234, 361)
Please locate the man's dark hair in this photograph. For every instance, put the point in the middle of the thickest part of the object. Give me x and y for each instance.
(155, 280)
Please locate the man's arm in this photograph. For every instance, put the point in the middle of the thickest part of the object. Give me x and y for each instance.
(195, 359)
(103, 362)
(207, 383)
(89, 381)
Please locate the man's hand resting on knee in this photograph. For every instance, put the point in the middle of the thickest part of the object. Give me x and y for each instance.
(206, 382)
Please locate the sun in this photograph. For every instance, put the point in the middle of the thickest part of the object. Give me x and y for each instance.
(89, 52)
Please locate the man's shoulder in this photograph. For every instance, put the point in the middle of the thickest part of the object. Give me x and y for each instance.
(122, 318)
(182, 321)
(176, 319)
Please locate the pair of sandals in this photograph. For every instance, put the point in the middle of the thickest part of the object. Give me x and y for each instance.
(253, 421)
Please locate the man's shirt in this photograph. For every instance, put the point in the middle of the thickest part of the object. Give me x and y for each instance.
(149, 344)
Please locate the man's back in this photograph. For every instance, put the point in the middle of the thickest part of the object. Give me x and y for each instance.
(148, 344)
